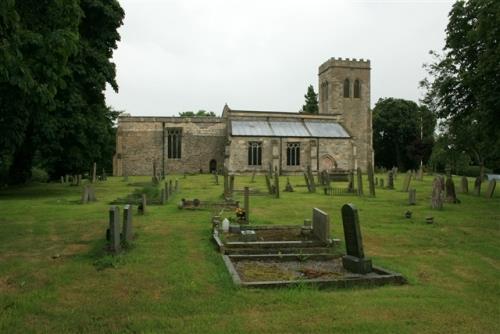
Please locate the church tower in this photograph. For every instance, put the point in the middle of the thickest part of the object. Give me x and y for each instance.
(344, 90)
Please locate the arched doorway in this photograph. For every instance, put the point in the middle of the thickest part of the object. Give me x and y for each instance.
(213, 166)
(327, 163)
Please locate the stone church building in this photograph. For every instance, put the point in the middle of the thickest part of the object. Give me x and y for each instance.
(338, 138)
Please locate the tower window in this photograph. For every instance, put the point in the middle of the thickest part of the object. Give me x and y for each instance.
(357, 89)
(254, 153)
(174, 143)
(293, 154)
(347, 88)
(324, 91)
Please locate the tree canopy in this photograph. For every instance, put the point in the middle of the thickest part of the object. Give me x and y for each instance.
(464, 82)
(55, 62)
(402, 133)
(199, 113)
(311, 106)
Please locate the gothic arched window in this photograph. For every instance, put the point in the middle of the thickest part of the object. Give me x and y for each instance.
(357, 88)
(347, 88)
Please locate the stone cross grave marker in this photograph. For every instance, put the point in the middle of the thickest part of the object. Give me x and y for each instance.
(355, 260)
(127, 229)
(114, 229)
(477, 186)
(465, 185)
(437, 196)
(246, 203)
(406, 182)
(276, 184)
(491, 188)
(412, 196)
(321, 225)
(451, 196)
(359, 174)
(390, 180)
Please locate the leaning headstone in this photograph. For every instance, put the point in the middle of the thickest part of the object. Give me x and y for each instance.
(360, 181)
(406, 182)
(246, 203)
(437, 194)
(276, 184)
(465, 185)
(142, 207)
(451, 196)
(288, 187)
(477, 186)
(321, 225)
(390, 180)
(412, 196)
(127, 230)
(491, 188)
(355, 260)
(114, 230)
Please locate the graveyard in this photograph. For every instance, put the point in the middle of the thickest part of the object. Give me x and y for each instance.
(58, 272)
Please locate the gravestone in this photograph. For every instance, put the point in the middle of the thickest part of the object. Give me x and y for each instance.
(350, 184)
(94, 172)
(276, 184)
(371, 180)
(491, 188)
(477, 186)
(310, 176)
(143, 206)
(442, 181)
(66, 178)
(253, 177)
(381, 183)
(406, 182)
(437, 194)
(451, 196)
(268, 184)
(360, 181)
(420, 174)
(127, 230)
(321, 225)
(114, 230)
(465, 185)
(412, 196)
(308, 184)
(62, 179)
(246, 203)
(390, 179)
(288, 187)
(355, 260)
(88, 194)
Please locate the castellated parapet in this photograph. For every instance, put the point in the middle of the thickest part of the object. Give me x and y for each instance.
(344, 62)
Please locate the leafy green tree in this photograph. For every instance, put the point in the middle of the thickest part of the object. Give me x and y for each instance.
(464, 84)
(402, 133)
(311, 106)
(199, 113)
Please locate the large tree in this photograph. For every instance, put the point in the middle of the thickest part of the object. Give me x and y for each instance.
(54, 65)
(464, 84)
(402, 133)
(311, 106)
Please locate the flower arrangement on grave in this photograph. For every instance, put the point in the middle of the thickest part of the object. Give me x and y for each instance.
(240, 213)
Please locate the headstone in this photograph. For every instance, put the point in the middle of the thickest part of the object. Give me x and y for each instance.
(66, 178)
(355, 260)
(288, 187)
(276, 184)
(350, 184)
(381, 183)
(85, 195)
(127, 230)
(465, 185)
(62, 179)
(143, 206)
(412, 196)
(420, 174)
(451, 196)
(442, 181)
(114, 229)
(321, 225)
(406, 182)
(371, 180)
(491, 188)
(308, 184)
(94, 172)
(253, 177)
(477, 186)
(360, 181)
(390, 179)
(395, 173)
(437, 194)
(92, 197)
(311, 179)
(246, 203)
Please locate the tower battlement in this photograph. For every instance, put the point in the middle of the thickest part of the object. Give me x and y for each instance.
(344, 62)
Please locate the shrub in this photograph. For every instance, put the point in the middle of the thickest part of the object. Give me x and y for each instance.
(472, 171)
(39, 175)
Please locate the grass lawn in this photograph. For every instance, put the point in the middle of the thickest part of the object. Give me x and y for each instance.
(55, 276)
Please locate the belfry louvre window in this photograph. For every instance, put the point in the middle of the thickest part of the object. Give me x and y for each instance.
(357, 89)
(174, 143)
(347, 88)
(254, 153)
(293, 154)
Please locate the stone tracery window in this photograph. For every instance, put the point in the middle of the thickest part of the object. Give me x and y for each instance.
(347, 88)
(293, 154)
(357, 89)
(254, 153)
(174, 143)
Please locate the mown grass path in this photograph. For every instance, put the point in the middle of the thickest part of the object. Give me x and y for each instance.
(55, 276)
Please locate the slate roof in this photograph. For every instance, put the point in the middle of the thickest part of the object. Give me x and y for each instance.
(289, 128)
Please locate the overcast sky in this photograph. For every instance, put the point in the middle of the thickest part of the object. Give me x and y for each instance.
(261, 55)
